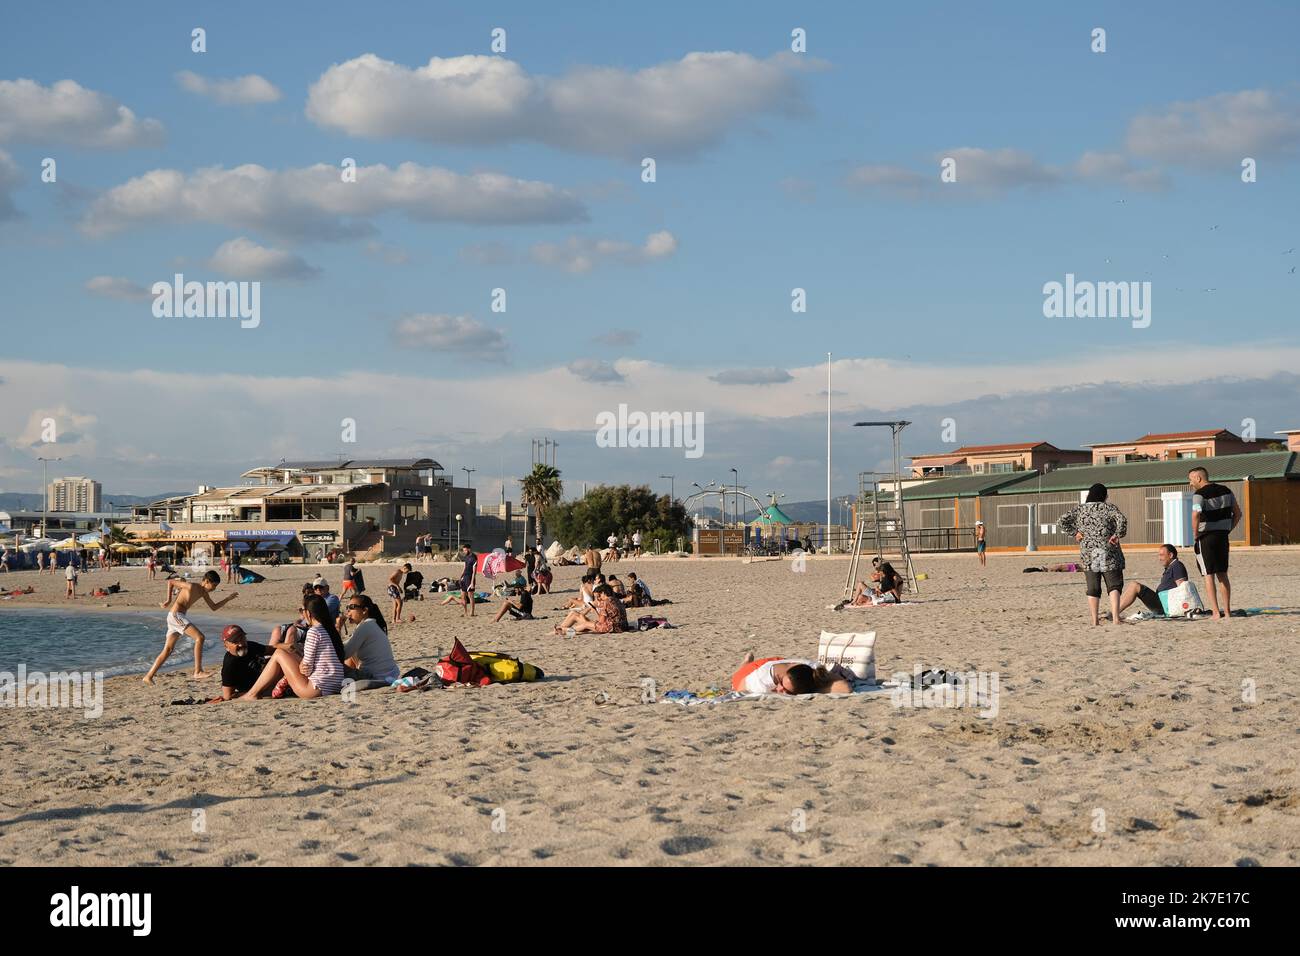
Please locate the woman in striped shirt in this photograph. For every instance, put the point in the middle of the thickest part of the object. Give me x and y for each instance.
(320, 670)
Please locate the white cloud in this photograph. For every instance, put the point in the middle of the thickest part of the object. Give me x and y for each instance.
(314, 203)
(242, 258)
(1118, 168)
(752, 376)
(240, 90)
(998, 170)
(595, 370)
(116, 287)
(450, 333)
(69, 114)
(580, 255)
(298, 416)
(671, 109)
(1219, 130)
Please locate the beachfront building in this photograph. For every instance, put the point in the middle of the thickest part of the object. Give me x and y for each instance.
(1022, 511)
(1170, 446)
(315, 508)
(1292, 438)
(74, 494)
(997, 459)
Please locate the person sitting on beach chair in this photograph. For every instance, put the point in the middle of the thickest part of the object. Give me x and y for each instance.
(785, 675)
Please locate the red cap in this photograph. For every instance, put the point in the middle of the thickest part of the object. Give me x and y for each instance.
(233, 632)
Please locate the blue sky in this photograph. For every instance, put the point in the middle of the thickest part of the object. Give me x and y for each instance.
(774, 171)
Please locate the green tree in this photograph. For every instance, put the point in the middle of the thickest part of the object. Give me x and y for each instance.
(541, 488)
(618, 510)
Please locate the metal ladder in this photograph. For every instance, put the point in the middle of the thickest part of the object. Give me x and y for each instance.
(868, 532)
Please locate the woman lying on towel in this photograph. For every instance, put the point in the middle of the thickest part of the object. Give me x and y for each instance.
(784, 675)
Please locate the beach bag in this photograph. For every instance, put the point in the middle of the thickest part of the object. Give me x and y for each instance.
(358, 581)
(649, 622)
(856, 652)
(504, 669)
(459, 667)
(1181, 600)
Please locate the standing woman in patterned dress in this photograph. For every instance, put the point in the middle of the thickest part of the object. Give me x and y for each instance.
(1098, 525)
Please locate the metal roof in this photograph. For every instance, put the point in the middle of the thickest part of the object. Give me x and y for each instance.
(964, 486)
(418, 464)
(1269, 464)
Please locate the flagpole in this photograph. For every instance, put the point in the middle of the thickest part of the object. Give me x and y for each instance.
(828, 452)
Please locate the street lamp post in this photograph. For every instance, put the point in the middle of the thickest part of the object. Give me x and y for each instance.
(45, 492)
(457, 532)
(672, 493)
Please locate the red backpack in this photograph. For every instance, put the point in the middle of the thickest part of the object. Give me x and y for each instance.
(459, 667)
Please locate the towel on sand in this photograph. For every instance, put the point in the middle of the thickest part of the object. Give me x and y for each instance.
(688, 698)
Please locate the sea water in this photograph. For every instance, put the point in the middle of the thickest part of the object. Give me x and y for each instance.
(110, 642)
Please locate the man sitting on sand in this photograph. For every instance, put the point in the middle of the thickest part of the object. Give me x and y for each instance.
(186, 593)
(638, 594)
(784, 675)
(1174, 575)
(243, 662)
(519, 605)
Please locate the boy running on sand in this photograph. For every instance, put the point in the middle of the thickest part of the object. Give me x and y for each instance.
(186, 593)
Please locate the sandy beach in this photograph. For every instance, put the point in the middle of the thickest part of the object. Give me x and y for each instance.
(1112, 745)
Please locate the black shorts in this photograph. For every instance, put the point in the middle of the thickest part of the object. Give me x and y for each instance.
(1212, 552)
(1151, 599)
(1092, 579)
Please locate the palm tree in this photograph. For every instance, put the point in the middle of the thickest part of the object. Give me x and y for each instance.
(541, 488)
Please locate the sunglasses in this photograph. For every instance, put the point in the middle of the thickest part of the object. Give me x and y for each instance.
(356, 607)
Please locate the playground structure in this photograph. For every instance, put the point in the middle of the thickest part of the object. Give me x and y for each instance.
(884, 523)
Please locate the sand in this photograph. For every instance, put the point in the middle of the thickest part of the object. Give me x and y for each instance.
(1112, 745)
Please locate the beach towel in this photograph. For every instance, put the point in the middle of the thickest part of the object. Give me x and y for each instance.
(844, 606)
(250, 577)
(686, 698)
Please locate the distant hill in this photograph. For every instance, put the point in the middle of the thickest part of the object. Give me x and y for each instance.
(20, 501)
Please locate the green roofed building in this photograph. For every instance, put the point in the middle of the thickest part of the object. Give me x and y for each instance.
(1024, 508)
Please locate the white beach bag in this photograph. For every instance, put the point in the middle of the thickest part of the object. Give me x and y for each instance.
(1181, 600)
(857, 652)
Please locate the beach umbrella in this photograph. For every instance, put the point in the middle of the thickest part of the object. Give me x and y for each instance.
(492, 563)
(38, 544)
(124, 548)
(67, 544)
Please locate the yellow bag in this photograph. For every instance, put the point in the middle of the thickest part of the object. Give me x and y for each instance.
(504, 669)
